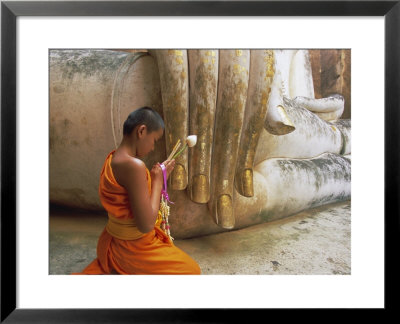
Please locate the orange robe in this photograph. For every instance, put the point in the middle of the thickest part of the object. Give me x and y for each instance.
(151, 253)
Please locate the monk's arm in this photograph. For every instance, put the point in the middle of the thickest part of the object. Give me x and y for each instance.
(144, 206)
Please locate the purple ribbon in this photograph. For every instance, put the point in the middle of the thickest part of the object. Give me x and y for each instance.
(164, 190)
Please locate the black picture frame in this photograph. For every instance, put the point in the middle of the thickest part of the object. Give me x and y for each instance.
(10, 10)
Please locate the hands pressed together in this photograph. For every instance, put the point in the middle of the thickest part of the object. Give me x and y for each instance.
(157, 173)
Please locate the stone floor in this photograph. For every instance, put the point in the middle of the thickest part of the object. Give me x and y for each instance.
(313, 242)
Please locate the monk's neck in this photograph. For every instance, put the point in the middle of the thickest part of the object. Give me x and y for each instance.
(128, 147)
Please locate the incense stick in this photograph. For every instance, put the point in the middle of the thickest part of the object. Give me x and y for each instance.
(176, 147)
(177, 154)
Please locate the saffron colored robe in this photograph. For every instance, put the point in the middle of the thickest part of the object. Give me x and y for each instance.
(152, 253)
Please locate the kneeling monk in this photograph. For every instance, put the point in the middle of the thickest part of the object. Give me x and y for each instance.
(133, 242)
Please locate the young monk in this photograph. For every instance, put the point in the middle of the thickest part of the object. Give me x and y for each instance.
(132, 241)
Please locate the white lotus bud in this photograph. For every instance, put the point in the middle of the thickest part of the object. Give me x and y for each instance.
(191, 140)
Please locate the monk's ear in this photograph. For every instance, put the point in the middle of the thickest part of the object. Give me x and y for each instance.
(142, 130)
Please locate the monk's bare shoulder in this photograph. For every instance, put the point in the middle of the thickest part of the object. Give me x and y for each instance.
(126, 168)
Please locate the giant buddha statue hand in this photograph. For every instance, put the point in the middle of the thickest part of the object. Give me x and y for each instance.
(266, 147)
(217, 96)
(227, 98)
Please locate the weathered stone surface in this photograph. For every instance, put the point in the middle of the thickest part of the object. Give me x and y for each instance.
(295, 185)
(174, 81)
(312, 137)
(231, 102)
(344, 125)
(301, 81)
(315, 59)
(313, 242)
(203, 70)
(346, 85)
(335, 75)
(331, 70)
(88, 90)
(328, 108)
(260, 79)
(282, 187)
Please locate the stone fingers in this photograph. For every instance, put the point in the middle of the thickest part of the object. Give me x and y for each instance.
(232, 94)
(203, 68)
(261, 74)
(223, 97)
(329, 109)
(301, 80)
(173, 70)
(277, 122)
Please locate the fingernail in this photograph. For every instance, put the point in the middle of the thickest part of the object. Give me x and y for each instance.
(178, 177)
(245, 183)
(286, 126)
(285, 118)
(200, 189)
(224, 212)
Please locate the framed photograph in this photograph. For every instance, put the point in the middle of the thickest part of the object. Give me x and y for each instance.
(29, 29)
